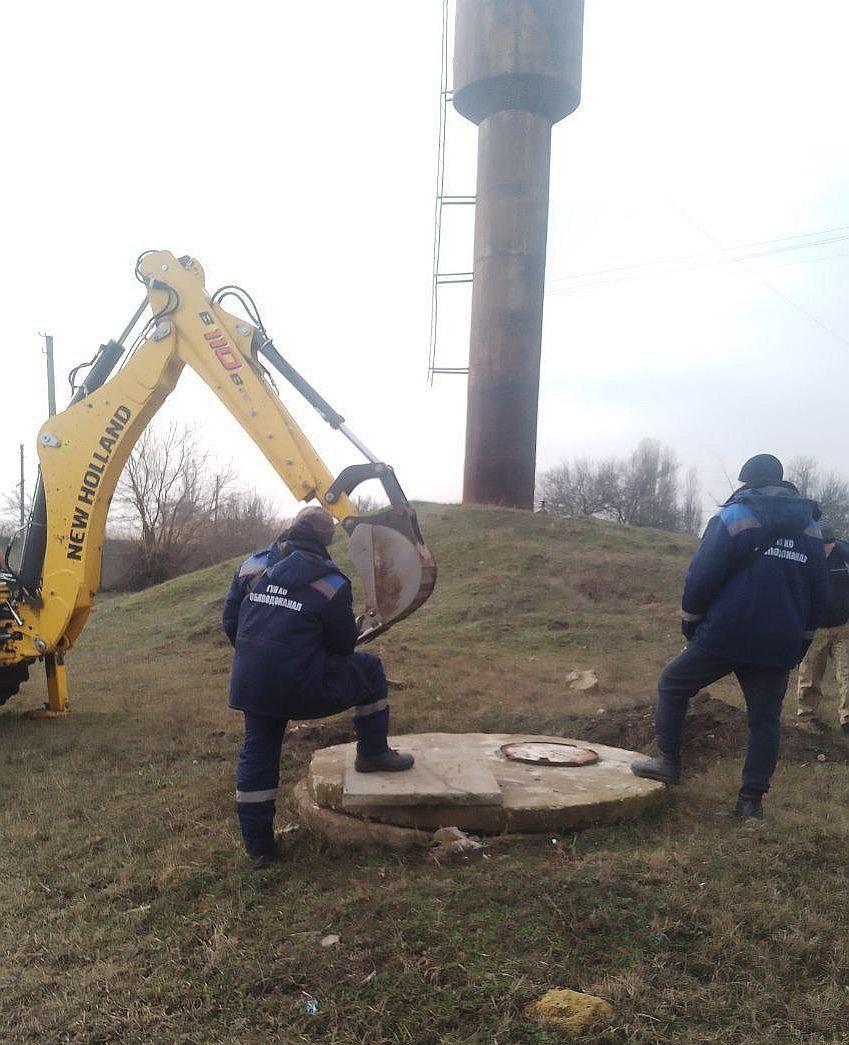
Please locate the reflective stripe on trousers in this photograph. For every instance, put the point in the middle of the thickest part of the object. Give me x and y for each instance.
(362, 710)
(257, 796)
(257, 777)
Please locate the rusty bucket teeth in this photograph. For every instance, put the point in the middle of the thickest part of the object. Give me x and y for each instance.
(396, 567)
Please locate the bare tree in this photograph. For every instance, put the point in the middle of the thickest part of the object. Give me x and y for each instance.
(641, 490)
(11, 509)
(239, 522)
(366, 503)
(691, 504)
(168, 496)
(830, 491)
(582, 487)
(649, 487)
(803, 473)
(833, 499)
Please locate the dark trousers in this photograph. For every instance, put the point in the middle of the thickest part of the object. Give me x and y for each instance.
(356, 682)
(763, 688)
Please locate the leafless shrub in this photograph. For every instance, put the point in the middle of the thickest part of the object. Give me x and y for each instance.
(366, 503)
(180, 511)
(641, 490)
(829, 491)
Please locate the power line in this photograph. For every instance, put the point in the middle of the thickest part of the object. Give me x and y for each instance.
(675, 270)
(721, 256)
(779, 293)
(809, 261)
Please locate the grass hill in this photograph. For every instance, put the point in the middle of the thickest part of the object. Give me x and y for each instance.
(128, 915)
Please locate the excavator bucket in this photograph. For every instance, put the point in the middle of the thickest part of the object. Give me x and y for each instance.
(386, 548)
(396, 567)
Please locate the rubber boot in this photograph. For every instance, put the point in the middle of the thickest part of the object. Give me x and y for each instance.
(666, 770)
(749, 807)
(263, 858)
(388, 761)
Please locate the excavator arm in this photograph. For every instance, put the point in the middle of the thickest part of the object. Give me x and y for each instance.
(82, 452)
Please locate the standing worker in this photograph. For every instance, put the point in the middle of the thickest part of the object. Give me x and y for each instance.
(830, 642)
(289, 616)
(753, 596)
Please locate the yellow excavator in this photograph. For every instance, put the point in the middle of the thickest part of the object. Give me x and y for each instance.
(45, 602)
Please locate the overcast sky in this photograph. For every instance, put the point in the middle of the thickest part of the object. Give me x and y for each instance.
(292, 148)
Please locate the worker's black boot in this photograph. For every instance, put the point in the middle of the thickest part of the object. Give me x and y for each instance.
(259, 861)
(263, 858)
(749, 807)
(663, 768)
(388, 761)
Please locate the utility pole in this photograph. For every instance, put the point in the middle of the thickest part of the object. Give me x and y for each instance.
(23, 490)
(51, 381)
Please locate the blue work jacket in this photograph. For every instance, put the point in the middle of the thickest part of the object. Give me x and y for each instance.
(757, 585)
(285, 615)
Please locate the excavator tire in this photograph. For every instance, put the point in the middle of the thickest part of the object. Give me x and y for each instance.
(11, 678)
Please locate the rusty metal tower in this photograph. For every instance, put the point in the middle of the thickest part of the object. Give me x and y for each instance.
(517, 71)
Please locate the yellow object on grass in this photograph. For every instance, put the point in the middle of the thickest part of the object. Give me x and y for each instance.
(570, 1011)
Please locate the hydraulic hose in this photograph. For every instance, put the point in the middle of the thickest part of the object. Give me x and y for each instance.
(35, 541)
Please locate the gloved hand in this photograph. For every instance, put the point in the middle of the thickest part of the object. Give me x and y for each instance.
(688, 628)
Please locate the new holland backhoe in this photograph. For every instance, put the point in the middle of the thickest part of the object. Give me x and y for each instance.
(46, 601)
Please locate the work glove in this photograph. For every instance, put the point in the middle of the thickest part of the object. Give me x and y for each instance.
(688, 628)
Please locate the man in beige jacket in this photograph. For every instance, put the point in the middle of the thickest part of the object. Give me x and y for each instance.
(831, 642)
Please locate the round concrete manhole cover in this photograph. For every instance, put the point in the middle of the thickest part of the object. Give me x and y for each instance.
(549, 753)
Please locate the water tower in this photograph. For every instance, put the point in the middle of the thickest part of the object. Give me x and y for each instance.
(517, 71)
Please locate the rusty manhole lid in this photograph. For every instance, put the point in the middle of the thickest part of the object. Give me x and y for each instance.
(549, 753)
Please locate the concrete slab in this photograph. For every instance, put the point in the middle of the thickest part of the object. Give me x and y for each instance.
(442, 776)
(342, 829)
(533, 797)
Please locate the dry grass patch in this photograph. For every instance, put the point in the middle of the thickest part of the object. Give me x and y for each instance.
(129, 916)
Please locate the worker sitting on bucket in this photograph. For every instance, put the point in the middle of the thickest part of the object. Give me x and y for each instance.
(289, 615)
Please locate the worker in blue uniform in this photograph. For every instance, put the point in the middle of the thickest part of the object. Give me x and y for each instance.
(289, 616)
(753, 596)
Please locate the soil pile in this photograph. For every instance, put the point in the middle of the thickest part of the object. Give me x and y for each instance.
(713, 730)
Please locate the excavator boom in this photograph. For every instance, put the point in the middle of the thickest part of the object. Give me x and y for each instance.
(82, 451)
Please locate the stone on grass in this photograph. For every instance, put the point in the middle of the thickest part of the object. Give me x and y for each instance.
(451, 841)
(570, 1011)
(586, 681)
(330, 940)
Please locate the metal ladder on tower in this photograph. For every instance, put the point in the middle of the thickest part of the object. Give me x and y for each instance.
(441, 279)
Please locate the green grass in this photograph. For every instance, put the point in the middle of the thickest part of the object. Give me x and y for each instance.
(128, 914)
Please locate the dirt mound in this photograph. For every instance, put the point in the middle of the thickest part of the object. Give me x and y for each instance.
(713, 730)
(303, 738)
